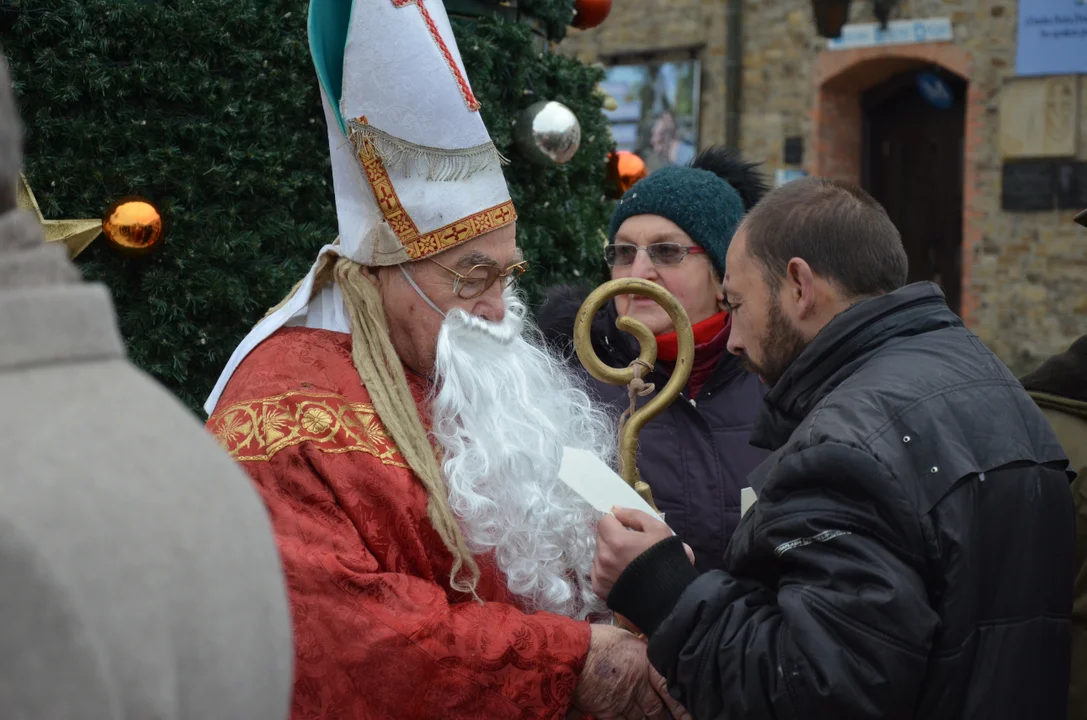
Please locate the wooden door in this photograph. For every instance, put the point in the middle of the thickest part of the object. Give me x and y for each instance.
(914, 168)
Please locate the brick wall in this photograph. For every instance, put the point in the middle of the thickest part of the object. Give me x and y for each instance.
(1025, 274)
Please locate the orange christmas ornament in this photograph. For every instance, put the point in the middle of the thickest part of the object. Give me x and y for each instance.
(624, 169)
(590, 13)
(133, 226)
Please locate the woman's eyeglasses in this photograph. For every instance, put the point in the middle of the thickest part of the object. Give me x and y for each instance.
(480, 278)
(621, 255)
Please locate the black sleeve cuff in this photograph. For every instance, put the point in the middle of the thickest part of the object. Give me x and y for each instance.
(648, 590)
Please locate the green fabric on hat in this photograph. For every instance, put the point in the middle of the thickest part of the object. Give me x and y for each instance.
(328, 22)
(703, 205)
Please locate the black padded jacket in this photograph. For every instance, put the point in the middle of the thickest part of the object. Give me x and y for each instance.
(911, 552)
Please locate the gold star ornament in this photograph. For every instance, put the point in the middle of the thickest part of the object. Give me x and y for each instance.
(75, 234)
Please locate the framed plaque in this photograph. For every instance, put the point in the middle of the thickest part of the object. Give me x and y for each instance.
(1029, 186)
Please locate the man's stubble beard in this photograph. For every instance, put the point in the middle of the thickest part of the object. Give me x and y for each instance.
(783, 344)
(503, 408)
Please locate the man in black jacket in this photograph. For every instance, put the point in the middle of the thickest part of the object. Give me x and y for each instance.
(911, 551)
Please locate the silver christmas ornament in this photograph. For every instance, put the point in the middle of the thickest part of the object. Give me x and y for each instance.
(548, 132)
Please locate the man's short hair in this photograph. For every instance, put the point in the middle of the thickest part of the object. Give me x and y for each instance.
(838, 229)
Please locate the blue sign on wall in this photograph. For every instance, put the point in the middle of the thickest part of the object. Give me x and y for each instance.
(935, 90)
(1052, 37)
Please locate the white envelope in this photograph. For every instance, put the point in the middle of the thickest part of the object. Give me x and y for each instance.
(598, 484)
(747, 500)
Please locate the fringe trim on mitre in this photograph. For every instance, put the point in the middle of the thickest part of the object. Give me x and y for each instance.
(407, 157)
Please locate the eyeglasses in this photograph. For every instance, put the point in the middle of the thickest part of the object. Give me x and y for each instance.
(480, 278)
(621, 255)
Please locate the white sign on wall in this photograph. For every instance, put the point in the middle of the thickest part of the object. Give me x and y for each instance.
(1052, 37)
(898, 32)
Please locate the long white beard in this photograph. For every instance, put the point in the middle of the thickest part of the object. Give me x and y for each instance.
(503, 410)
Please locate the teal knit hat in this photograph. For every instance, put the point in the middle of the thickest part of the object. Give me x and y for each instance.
(702, 204)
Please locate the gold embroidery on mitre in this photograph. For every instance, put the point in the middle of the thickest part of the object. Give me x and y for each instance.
(256, 430)
(382, 186)
(420, 245)
(461, 231)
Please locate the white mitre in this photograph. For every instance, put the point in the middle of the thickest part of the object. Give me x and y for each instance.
(414, 169)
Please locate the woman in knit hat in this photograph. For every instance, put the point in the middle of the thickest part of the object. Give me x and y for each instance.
(674, 228)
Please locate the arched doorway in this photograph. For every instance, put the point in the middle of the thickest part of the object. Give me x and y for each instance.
(914, 132)
(851, 85)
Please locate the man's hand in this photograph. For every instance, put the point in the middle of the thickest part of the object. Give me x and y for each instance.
(661, 686)
(617, 546)
(615, 682)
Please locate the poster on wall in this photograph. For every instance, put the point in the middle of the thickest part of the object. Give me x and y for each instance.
(1052, 37)
(657, 117)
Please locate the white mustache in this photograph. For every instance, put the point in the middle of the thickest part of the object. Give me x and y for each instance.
(503, 332)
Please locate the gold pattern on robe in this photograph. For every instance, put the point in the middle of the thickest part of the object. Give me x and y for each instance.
(256, 430)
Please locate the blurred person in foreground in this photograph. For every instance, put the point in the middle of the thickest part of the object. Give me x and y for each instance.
(406, 425)
(910, 550)
(673, 228)
(1059, 387)
(140, 575)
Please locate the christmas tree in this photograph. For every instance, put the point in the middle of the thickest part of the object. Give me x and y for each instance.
(210, 109)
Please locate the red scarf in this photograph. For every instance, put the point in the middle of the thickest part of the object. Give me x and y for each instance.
(704, 333)
(710, 341)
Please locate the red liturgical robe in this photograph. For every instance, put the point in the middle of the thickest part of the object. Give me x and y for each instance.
(378, 631)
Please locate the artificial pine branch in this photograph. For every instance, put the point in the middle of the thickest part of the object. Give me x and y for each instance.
(211, 109)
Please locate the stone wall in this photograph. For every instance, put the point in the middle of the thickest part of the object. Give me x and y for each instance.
(1025, 274)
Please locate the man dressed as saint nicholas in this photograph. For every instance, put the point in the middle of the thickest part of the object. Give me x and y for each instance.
(406, 427)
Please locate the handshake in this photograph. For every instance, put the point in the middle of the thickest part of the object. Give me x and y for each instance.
(617, 680)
